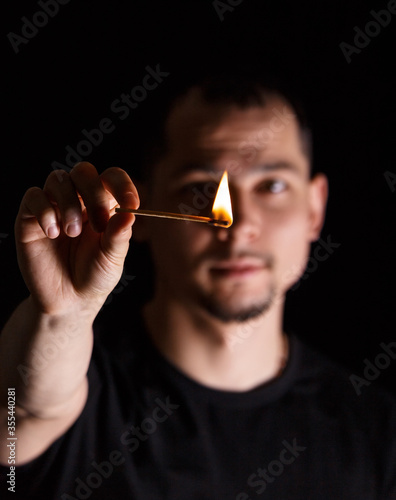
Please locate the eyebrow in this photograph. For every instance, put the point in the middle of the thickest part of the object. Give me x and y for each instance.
(256, 168)
(275, 166)
(190, 167)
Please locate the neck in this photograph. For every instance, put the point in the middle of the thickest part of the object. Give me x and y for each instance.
(224, 356)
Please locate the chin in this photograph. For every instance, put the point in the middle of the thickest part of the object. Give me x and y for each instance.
(236, 312)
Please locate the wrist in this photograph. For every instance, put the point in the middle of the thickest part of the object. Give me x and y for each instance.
(81, 314)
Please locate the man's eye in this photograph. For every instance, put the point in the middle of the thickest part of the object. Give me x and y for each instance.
(273, 186)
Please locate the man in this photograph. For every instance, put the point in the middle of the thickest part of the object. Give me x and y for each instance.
(189, 412)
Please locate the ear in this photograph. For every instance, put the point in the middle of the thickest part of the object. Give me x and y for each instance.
(140, 229)
(318, 194)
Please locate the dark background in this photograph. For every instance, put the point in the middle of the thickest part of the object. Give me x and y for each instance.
(66, 77)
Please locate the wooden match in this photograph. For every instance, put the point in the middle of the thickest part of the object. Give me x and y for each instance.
(168, 215)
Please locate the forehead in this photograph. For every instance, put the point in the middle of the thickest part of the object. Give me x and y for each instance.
(202, 134)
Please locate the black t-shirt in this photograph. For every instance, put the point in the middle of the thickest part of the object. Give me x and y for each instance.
(149, 432)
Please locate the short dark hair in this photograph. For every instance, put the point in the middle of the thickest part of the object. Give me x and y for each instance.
(243, 89)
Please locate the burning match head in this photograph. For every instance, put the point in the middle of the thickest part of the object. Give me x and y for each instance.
(220, 223)
(222, 209)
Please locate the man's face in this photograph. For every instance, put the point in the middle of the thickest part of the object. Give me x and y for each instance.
(233, 273)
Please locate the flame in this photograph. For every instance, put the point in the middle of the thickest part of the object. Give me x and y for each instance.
(222, 208)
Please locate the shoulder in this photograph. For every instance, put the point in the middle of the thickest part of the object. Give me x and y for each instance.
(341, 392)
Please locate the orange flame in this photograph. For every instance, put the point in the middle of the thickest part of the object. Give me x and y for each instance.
(222, 208)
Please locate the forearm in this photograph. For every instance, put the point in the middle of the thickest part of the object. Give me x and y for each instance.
(45, 358)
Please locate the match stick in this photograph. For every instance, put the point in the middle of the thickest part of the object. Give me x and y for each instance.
(168, 215)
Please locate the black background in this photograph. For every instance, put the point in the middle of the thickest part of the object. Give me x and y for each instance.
(66, 77)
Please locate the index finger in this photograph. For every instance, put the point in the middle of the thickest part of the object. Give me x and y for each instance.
(118, 183)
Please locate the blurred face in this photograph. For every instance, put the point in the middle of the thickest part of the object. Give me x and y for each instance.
(236, 273)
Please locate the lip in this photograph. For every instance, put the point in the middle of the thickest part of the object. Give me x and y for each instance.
(237, 268)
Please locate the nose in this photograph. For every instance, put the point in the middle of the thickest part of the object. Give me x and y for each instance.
(247, 219)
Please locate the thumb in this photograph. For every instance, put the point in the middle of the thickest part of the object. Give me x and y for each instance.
(115, 238)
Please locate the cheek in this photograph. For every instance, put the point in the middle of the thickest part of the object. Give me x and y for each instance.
(291, 248)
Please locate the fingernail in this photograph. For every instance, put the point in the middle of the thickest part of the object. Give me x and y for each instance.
(52, 231)
(73, 229)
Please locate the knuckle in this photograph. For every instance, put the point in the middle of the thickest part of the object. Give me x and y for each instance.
(114, 170)
(32, 193)
(35, 202)
(114, 176)
(80, 168)
(55, 178)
